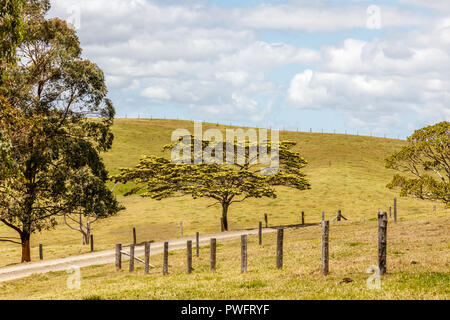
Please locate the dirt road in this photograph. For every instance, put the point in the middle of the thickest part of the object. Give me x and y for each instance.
(108, 256)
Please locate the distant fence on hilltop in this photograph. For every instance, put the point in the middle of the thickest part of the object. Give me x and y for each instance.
(290, 128)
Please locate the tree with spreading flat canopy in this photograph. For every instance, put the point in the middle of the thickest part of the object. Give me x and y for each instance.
(426, 164)
(53, 95)
(225, 182)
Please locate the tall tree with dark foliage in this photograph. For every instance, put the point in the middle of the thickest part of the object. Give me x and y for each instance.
(54, 93)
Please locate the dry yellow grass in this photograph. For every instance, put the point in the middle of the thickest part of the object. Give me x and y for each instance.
(353, 248)
(347, 172)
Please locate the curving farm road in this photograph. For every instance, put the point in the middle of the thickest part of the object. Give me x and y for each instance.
(108, 256)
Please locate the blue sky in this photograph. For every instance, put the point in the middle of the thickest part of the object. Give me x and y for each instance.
(372, 67)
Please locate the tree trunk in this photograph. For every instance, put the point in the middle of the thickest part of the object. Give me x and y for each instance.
(86, 234)
(85, 238)
(26, 252)
(224, 215)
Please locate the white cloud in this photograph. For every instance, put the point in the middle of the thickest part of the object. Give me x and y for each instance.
(342, 91)
(324, 17)
(306, 92)
(378, 83)
(216, 61)
(156, 93)
(440, 5)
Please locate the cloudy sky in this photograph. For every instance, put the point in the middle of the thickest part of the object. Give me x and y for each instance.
(373, 67)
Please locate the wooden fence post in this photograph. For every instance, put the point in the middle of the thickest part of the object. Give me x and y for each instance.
(131, 257)
(118, 256)
(382, 243)
(166, 259)
(260, 233)
(323, 215)
(197, 238)
(92, 243)
(266, 220)
(147, 258)
(395, 209)
(213, 254)
(181, 228)
(339, 216)
(189, 256)
(325, 248)
(280, 248)
(41, 252)
(243, 253)
(303, 217)
(134, 236)
(390, 212)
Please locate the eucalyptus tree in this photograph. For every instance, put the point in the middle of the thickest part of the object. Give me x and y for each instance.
(11, 34)
(11, 30)
(425, 164)
(62, 124)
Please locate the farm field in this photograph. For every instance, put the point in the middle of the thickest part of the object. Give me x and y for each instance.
(110, 189)
(417, 268)
(346, 172)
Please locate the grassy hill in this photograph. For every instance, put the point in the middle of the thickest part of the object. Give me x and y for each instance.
(346, 171)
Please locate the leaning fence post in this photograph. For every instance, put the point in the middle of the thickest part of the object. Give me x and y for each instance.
(189, 257)
(325, 248)
(395, 209)
(197, 239)
(303, 217)
(166, 259)
(147, 257)
(134, 235)
(382, 233)
(41, 252)
(92, 243)
(118, 256)
(280, 249)
(131, 257)
(243, 253)
(266, 220)
(260, 233)
(213, 254)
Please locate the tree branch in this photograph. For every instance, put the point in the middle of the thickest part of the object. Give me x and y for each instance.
(12, 241)
(11, 226)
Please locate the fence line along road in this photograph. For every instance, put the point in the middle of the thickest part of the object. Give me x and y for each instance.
(108, 256)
